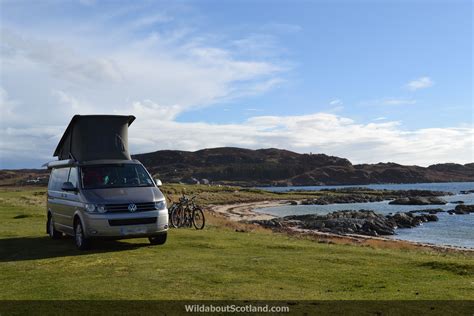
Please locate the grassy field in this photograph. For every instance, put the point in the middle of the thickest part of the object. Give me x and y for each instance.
(216, 263)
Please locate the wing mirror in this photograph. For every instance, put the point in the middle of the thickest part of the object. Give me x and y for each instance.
(158, 182)
(69, 187)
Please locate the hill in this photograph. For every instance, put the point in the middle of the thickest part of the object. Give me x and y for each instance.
(264, 167)
(228, 165)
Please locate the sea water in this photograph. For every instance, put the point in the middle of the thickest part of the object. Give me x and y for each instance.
(450, 230)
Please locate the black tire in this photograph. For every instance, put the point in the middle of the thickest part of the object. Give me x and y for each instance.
(198, 218)
(82, 243)
(175, 217)
(52, 232)
(158, 240)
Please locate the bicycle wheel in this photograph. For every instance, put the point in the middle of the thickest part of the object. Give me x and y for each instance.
(170, 214)
(176, 217)
(198, 218)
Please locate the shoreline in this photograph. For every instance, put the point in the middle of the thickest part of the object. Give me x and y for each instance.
(241, 212)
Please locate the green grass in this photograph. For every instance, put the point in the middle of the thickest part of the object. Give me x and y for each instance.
(230, 194)
(216, 263)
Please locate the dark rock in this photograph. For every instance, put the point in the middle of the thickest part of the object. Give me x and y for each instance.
(463, 209)
(466, 191)
(457, 202)
(347, 198)
(419, 200)
(339, 222)
(430, 211)
(292, 202)
(409, 220)
(404, 220)
(360, 222)
(431, 218)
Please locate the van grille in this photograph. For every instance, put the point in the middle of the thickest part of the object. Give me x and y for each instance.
(123, 208)
(132, 221)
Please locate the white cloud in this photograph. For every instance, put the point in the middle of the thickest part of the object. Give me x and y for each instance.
(7, 107)
(420, 83)
(152, 111)
(165, 71)
(61, 60)
(70, 102)
(335, 102)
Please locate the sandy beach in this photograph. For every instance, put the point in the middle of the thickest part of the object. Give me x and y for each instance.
(245, 211)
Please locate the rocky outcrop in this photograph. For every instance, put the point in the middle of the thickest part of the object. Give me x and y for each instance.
(419, 200)
(365, 195)
(409, 220)
(333, 199)
(429, 211)
(363, 222)
(463, 209)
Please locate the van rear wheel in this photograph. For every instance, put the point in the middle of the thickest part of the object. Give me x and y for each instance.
(158, 240)
(53, 233)
(82, 243)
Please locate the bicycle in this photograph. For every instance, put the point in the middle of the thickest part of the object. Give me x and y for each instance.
(186, 213)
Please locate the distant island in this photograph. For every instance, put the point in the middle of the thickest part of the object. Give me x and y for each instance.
(269, 167)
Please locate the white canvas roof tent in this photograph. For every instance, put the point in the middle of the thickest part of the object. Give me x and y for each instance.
(94, 137)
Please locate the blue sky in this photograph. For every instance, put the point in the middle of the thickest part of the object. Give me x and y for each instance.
(367, 80)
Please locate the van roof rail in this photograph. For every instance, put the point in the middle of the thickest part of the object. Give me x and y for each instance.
(59, 163)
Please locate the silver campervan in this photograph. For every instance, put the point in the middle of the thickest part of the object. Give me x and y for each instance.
(97, 191)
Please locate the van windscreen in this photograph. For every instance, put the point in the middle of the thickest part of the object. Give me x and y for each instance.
(115, 176)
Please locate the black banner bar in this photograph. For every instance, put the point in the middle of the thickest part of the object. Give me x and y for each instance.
(138, 307)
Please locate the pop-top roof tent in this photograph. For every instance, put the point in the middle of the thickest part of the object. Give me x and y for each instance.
(95, 137)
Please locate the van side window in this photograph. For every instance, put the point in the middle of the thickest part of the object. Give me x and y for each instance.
(52, 176)
(58, 177)
(73, 178)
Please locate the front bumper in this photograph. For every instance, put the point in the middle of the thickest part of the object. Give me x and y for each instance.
(125, 225)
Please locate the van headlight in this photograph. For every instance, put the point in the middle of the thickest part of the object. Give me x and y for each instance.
(90, 208)
(100, 208)
(95, 208)
(160, 205)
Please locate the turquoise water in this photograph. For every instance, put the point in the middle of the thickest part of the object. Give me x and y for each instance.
(450, 230)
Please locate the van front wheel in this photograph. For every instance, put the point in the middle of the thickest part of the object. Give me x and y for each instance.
(158, 240)
(82, 243)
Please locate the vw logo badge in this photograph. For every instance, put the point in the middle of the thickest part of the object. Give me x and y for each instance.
(132, 207)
